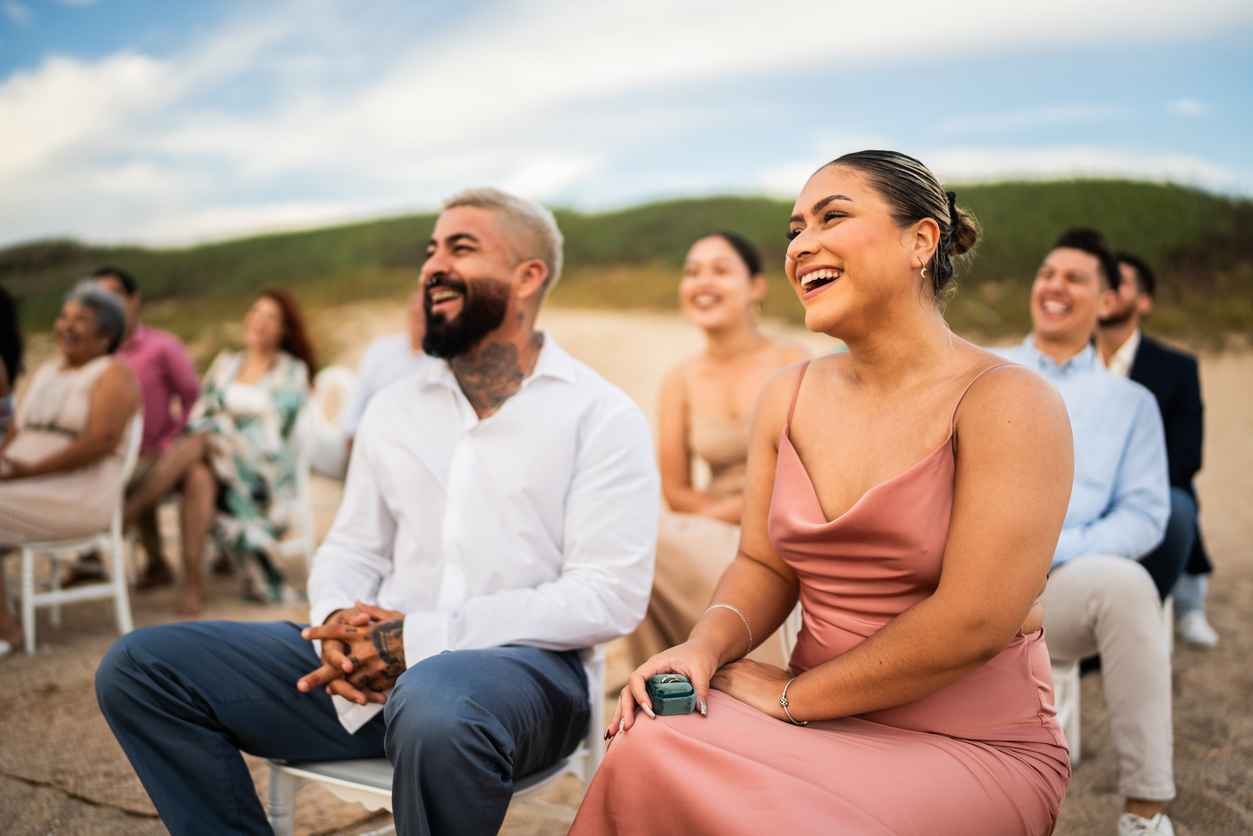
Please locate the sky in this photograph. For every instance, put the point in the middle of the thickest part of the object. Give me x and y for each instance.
(173, 123)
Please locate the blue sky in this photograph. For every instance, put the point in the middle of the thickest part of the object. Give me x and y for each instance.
(176, 122)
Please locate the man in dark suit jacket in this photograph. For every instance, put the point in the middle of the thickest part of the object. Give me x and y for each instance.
(1180, 563)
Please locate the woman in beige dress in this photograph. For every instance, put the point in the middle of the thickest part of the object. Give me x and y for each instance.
(61, 460)
(705, 410)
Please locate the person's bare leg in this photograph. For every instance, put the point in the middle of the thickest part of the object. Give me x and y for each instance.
(1144, 809)
(170, 469)
(199, 496)
(157, 571)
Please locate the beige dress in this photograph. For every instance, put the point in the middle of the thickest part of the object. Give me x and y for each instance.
(60, 505)
(693, 551)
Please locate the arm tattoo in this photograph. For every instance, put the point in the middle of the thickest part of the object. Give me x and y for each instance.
(389, 641)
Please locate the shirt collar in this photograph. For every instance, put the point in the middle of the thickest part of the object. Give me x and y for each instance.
(553, 361)
(1083, 361)
(1122, 359)
(137, 338)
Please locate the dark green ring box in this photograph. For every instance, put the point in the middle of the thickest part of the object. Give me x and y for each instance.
(671, 693)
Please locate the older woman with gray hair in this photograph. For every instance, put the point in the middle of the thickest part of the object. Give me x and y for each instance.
(61, 460)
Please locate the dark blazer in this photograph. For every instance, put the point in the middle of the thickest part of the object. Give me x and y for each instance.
(1172, 376)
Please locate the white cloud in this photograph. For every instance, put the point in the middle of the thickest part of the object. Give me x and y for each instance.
(1188, 108)
(77, 4)
(975, 163)
(67, 102)
(17, 13)
(1034, 117)
(502, 96)
(990, 163)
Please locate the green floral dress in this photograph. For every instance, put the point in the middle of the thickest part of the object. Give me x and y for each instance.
(252, 454)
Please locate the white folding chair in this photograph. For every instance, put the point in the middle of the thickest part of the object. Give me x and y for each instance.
(110, 543)
(369, 782)
(1067, 690)
(301, 538)
(327, 444)
(316, 442)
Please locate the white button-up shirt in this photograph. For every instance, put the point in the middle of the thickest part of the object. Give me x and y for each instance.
(534, 526)
(388, 359)
(1121, 361)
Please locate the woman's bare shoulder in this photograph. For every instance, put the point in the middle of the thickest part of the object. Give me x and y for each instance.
(1007, 397)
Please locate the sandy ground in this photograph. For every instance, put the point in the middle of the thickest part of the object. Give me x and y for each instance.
(62, 772)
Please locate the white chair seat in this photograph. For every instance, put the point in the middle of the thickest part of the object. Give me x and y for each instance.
(110, 544)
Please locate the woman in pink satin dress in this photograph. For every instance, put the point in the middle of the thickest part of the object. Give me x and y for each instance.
(910, 494)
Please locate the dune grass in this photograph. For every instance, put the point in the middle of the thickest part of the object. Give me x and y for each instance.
(1201, 244)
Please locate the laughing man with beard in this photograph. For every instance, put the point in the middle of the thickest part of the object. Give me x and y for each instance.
(498, 520)
(1099, 598)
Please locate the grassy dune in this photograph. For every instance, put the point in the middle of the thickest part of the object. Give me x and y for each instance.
(1202, 245)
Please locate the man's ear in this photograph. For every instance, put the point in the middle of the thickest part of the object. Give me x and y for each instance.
(1106, 301)
(1145, 305)
(532, 278)
(759, 288)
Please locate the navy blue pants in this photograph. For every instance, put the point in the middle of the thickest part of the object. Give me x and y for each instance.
(185, 699)
(1167, 561)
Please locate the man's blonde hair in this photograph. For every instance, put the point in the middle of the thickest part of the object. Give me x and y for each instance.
(532, 228)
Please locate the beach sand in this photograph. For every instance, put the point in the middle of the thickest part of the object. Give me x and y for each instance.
(62, 772)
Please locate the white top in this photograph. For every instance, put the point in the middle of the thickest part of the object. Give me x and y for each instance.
(1121, 361)
(388, 359)
(534, 526)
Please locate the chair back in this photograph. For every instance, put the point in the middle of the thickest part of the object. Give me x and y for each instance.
(321, 436)
(132, 440)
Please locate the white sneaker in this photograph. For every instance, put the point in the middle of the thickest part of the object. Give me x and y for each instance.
(1194, 629)
(1129, 824)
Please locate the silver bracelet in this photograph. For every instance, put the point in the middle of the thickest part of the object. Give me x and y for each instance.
(787, 706)
(737, 611)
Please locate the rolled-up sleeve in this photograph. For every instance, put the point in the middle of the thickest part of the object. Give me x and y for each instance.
(609, 541)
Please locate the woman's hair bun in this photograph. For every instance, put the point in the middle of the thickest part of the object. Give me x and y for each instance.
(963, 232)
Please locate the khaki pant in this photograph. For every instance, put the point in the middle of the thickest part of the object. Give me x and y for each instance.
(1106, 605)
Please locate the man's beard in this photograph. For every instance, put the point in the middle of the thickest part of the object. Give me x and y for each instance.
(482, 311)
(1117, 317)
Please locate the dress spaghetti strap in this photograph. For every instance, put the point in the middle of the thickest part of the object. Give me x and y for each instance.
(787, 428)
(952, 424)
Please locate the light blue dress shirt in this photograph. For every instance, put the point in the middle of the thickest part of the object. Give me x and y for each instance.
(1120, 500)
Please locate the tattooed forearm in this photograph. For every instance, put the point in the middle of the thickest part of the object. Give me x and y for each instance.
(389, 641)
(491, 374)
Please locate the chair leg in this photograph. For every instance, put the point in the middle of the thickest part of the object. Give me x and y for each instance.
(283, 787)
(28, 599)
(56, 587)
(121, 595)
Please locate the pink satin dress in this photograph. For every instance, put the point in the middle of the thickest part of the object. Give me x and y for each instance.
(983, 756)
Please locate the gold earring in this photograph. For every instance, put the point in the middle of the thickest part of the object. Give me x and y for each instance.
(924, 271)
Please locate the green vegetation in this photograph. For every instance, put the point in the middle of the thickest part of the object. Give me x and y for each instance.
(1201, 244)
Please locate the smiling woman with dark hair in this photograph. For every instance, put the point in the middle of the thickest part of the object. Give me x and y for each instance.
(909, 493)
(235, 465)
(706, 405)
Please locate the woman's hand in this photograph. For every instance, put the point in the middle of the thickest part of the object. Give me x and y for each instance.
(12, 469)
(755, 684)
(691, 659)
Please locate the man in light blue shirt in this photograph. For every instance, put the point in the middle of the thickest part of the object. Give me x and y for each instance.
(1099, 599)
